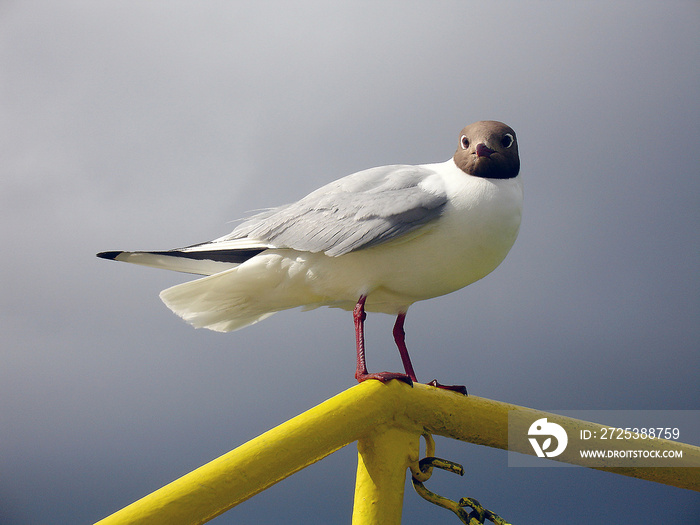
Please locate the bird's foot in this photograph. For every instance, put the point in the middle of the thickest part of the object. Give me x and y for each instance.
(460, 389)
(384, 377)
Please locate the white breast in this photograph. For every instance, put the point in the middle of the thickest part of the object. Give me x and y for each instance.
(472, 237)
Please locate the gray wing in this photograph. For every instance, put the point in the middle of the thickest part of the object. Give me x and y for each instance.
(361, 210)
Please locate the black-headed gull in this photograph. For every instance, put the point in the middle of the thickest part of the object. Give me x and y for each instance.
(377, 240)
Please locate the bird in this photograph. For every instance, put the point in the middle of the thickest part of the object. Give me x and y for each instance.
(377, 240)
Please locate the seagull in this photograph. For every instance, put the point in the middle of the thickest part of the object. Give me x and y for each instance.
(375, 241)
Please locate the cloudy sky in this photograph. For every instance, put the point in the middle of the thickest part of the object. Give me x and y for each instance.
(152, 125)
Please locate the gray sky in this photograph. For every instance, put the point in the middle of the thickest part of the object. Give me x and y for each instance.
(133, 125)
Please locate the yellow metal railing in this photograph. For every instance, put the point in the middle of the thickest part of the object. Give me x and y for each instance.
(387, 421)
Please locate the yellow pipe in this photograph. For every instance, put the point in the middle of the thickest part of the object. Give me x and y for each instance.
(383, 457)
(485, 422)
(354, 415)
(238, 475)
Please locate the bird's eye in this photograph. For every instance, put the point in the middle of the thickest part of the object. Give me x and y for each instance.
(465, 142)
(507, 140)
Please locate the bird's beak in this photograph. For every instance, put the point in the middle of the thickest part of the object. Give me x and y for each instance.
(482, 150)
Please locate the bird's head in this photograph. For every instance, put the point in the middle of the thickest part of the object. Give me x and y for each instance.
(488, 149)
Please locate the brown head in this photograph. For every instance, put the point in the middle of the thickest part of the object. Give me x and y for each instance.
(488, 149)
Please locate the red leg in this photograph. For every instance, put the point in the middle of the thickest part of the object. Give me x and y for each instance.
(400, 339)
(361, 373)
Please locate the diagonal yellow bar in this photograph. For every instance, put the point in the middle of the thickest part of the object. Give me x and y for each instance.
(238, 475)
(387, 421)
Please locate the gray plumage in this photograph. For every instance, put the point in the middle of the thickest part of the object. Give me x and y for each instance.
(358, 211)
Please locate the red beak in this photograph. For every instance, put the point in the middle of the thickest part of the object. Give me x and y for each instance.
(483, 151)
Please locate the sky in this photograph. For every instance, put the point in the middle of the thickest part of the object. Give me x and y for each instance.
(154, 125)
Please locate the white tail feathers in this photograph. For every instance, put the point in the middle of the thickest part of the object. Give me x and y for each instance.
(212, 303)
(235, 298)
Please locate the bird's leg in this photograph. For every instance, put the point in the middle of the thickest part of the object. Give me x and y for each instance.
(361, 373)
(359, 316)
(400, 339)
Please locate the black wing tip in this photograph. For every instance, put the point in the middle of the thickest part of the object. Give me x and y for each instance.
(109, 255)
